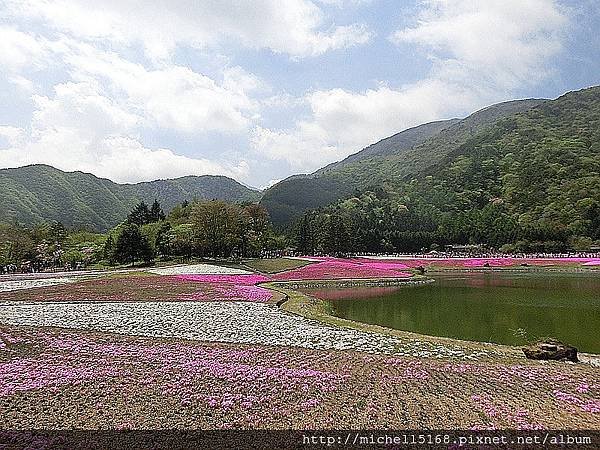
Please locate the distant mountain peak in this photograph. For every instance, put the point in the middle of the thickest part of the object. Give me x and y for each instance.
(39, 192)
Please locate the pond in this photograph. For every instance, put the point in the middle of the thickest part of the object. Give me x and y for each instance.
(483, 306)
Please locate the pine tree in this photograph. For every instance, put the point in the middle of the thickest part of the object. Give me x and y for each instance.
(140, 215)
(132, 245)
(156, 212)
(109, 249)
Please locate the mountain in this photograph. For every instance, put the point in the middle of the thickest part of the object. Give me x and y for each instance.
(39, 193)
(393, 145)
(405, 154)
(527, 182)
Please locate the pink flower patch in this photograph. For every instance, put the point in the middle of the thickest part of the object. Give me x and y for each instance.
(591, 406)
(335, 268)
(492, 262)
(242, 280)
(228, 287)
(501, 416)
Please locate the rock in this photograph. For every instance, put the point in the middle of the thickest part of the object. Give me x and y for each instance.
(551, 349)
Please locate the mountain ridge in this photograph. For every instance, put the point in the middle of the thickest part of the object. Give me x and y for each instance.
(39, 192)
(290, 198)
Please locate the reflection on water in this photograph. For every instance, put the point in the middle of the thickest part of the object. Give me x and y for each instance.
(483, 307)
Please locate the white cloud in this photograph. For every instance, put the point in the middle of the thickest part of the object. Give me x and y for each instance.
(81, 105)
(80, 129)
(11, 135)
(342, 122)
(481, 52)
(270, 183)
(18, 50)
(172, 96)
(295, 27)
(505, 41)
(92, 121)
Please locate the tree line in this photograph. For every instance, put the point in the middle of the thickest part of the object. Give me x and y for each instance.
(389, 220)
(198, 229)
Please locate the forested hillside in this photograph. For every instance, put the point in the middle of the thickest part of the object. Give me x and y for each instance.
(523, 174)
(405, 154)
(40, 193)
(392, 145)
(529, 182)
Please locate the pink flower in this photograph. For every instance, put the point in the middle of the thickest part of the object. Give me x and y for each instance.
(334, 268)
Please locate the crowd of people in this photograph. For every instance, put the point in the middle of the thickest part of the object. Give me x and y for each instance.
(8, 269)
(490, 255)
(37, 267)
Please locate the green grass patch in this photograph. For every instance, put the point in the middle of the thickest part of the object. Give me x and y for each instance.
(275, 265)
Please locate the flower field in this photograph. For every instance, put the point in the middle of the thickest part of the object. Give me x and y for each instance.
(143, 287)
(335, 268)
(73, 379)
(16, 285)
(150, 351)
(228, 287)
(489, 262)
(201, 282)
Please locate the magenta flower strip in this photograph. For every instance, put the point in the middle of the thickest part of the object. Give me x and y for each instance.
(228, 288)
(334, 268)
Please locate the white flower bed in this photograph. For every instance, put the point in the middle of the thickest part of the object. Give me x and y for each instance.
(236, 322)
(15, 285)
(198, 269)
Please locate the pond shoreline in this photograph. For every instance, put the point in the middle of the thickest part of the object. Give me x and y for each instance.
(294, 301)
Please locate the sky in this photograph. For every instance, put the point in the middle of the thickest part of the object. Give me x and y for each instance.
(258, 90)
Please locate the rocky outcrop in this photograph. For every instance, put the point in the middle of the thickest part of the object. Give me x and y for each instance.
(551, 349)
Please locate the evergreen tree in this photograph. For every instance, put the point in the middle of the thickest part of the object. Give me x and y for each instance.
(109, 249)
(156, 212)
(303, 236)
(132, 245)
(140, 215)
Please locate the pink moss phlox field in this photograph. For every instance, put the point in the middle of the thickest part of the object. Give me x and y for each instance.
(501, 416)
(590, 406)
(231, 386)
(335, 268)
(228, 287)
(235, 379)
(240, 280)
(492, 262)
(152, 288)
(37, 373)
(232, 379)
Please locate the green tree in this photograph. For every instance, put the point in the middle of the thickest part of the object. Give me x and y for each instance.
(303, 235)
(217, 226)
(109, 249)
(140, 215)
(162, 242)
(156, 212)
(132, 245)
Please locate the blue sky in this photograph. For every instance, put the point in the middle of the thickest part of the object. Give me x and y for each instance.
(259, 90)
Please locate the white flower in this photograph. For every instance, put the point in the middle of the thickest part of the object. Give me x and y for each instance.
(16, 285)
(198, 269)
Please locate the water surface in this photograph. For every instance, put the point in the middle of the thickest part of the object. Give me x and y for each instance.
(489, 307)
